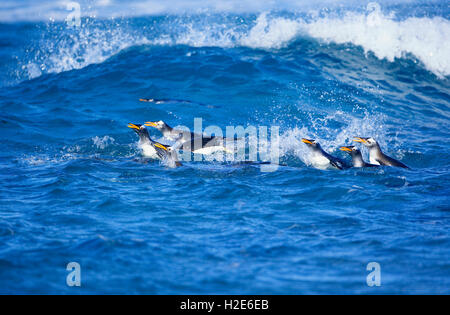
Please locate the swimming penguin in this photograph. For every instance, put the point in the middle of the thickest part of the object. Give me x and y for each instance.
(170, 133)
(197, 143)
(321, 159)
(159, 101)
(357, 158)
(164, 101)
(377, 157)
(150, 148)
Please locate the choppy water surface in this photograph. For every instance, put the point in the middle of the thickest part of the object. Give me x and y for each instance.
(74, 187)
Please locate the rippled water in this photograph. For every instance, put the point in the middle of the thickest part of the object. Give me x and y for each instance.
(74, 187)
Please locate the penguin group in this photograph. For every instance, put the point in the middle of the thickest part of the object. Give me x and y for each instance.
(152, 149)
(202, 144)
(205, 145)
(184, 140)
(323, 160)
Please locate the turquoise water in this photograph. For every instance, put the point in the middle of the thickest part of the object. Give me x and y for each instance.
(74, 186)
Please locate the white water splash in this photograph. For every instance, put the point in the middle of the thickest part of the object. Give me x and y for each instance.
(329, 138)
(381, 34)
(77, 50)
(425, 38)
(271, 33)
(104, 142)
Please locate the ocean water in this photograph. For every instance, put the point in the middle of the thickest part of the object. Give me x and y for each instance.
(75, 188)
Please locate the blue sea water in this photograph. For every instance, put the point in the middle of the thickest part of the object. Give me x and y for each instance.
(74, 186)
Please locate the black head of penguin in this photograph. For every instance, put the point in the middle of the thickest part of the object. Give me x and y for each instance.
(141, 131)
(312, 144)
(352, 151)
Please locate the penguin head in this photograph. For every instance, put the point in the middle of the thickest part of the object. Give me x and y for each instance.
(160, 125)
(313, 144)
(141, 131)
(161, 150)
(352, 150)
(147, 100)
(368, 142)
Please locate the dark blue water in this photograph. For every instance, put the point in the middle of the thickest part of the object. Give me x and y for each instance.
(74, 187)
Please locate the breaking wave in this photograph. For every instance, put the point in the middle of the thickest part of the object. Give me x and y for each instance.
(384, 35)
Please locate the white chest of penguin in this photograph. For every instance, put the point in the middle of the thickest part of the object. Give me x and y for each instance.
(373, 158)
(373, 161)
(319, 161)
(149, 151)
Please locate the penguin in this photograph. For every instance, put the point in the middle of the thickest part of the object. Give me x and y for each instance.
(377, 157)
(152, 149)
(357, 158)
(161, 101)
(164, 101)
(171, 133)
(321, 159)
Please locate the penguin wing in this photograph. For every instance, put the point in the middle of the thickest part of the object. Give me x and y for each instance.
(388, 161)
(334, 161)
(210, 142)
(160, 152)
(337, 164)
(196, 143)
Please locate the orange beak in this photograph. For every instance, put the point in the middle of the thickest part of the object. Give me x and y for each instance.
(307, 141)
(133, 126)
(346, 149)
(151, 124)
(158, 145)
(360, 140)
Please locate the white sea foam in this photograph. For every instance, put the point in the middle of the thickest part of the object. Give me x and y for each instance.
(44, 10)
(104, 142)
(44, 159)
(379, 33)
(324, 131)
(77, 50)
(376, 32)
(425, 38)
(271, 33)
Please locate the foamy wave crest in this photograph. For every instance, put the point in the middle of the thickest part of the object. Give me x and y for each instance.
(381, 34)
(71, 50)
(267, 32)
(271, 33)
(425, 38)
